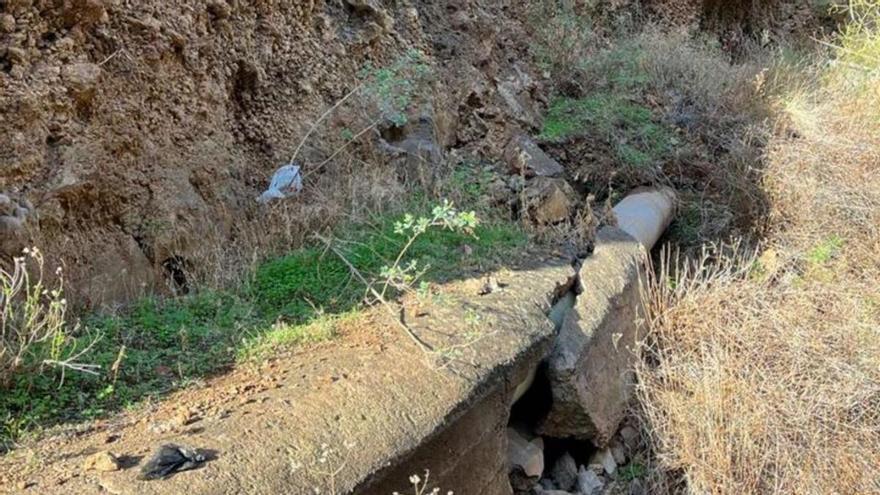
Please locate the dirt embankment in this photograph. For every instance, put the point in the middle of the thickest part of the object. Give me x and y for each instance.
(122, 121)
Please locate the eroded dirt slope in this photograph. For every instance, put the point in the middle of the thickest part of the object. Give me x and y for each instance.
(122, 120)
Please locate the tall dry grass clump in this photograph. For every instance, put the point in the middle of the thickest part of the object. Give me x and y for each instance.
(762, 372)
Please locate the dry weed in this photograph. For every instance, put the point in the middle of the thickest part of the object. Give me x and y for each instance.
(762, 373)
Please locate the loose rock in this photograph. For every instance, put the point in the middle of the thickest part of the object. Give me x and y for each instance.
(588, 482)
(525, 157)
(565, 472)
(81, 80)
(526, 459)
(7, 23)
(605, 459)
(546, 484)
(549, 200)
(630, 437)
(10, 225)
(6, 205)
(102, 462)
(619, 454)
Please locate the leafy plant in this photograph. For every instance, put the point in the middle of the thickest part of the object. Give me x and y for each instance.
(383, 93)
(391, 89)
(563, 37)
(443, 216)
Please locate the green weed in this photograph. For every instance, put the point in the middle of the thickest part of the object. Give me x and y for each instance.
(825, 251)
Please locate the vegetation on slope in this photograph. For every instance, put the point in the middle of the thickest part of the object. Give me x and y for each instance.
(163, 344)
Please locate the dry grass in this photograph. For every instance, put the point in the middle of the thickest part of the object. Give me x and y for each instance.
(350, 191)
(762, 373)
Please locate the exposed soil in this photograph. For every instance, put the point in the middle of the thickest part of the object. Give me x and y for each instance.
(126, 122)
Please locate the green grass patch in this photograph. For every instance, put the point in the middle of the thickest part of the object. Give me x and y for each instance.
(157, 346)
(316, 280)
(637, 140)
(825, 251)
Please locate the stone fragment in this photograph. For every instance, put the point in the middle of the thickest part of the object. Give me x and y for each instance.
(10, 225)
(549, 201)
(7, 207)
(88, 12)
(619, 452)
(219, 9)
(81, 80)
(524, 454)
(630, 437)
(102, 462)
(418, 153)
(565, 472)
(16, 54)
(21, 213)
(11, 236)
(588, 482)
(605, 459)
(525, 157)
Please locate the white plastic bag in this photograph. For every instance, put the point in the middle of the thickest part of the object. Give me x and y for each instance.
(287, 180)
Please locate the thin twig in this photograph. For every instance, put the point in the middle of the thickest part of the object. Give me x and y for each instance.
(341, 149)
(321, 119)
(425, 347)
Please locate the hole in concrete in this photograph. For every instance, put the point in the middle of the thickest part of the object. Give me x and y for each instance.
(176, 268)
(535, 404)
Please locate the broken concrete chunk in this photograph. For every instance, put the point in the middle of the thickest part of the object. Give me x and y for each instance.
(525, 157)
(590, 367)
(103, 462)
(565, 472)
(524, 454)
